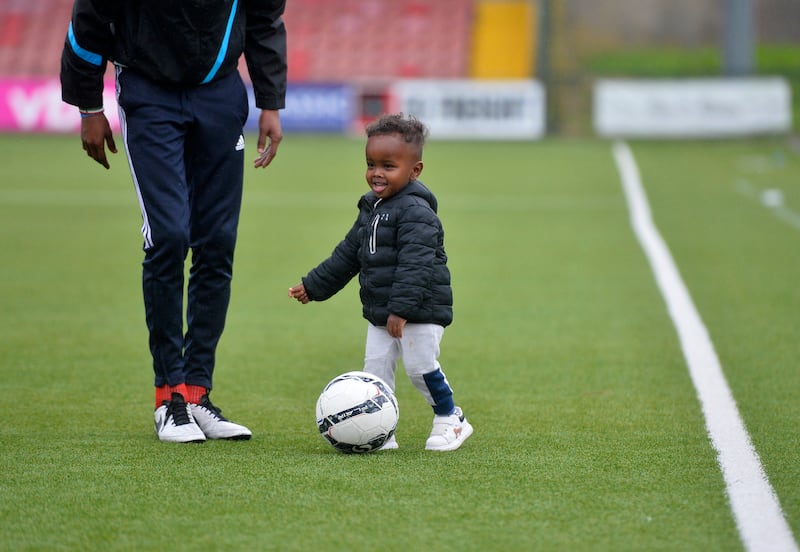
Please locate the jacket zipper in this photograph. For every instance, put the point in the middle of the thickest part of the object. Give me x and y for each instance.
(373, 238)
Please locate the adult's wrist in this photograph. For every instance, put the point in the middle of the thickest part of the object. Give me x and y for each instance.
(90, 112)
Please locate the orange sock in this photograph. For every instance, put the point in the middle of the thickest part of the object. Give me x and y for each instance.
(162, 394)
(194, 393)
(180, 388)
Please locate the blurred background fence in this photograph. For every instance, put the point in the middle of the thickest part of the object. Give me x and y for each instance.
(366, 46)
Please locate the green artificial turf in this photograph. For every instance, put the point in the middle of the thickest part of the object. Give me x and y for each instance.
(588, 431)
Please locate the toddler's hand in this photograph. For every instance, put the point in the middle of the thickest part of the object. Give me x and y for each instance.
(394, 325)
(299, 292)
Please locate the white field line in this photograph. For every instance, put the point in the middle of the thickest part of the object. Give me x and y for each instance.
(772, 199)
(756, 509)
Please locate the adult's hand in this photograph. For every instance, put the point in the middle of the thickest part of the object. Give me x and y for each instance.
(95, 135)
(269, 137)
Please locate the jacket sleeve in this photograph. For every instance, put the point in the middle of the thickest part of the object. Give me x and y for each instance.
(86, 51)
(417, 239)
(336, 271)
(265, 52)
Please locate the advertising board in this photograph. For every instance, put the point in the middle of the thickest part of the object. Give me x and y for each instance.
(724, 107)
(474, 109)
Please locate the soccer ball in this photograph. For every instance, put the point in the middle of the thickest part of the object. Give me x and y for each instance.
(357, 412)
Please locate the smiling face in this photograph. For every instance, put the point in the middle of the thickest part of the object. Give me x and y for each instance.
(391, 164)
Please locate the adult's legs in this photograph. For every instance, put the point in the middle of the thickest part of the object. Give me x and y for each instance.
(153, 127)
(214, 170)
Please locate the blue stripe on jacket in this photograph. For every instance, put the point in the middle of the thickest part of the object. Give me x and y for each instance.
(86, 55)
(224, 47)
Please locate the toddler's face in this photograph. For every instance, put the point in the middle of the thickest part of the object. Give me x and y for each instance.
(391, 164)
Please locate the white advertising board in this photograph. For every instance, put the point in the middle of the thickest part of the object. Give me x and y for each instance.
(473, 109)
(724, 107)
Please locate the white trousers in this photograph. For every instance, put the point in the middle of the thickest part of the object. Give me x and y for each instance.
(419, 351)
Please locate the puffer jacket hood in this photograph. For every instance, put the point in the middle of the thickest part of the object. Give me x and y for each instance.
(414, 188)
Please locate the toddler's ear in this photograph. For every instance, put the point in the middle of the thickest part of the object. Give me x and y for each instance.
(417, 169)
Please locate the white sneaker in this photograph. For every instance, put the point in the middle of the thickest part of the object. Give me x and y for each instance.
(214, 424)
(174, 422)
(390, 444)
(449, 432)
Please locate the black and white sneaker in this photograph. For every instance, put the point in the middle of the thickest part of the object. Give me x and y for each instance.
(214, 425)
(175, 424)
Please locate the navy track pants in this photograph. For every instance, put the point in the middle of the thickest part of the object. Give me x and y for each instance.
(186, 153)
